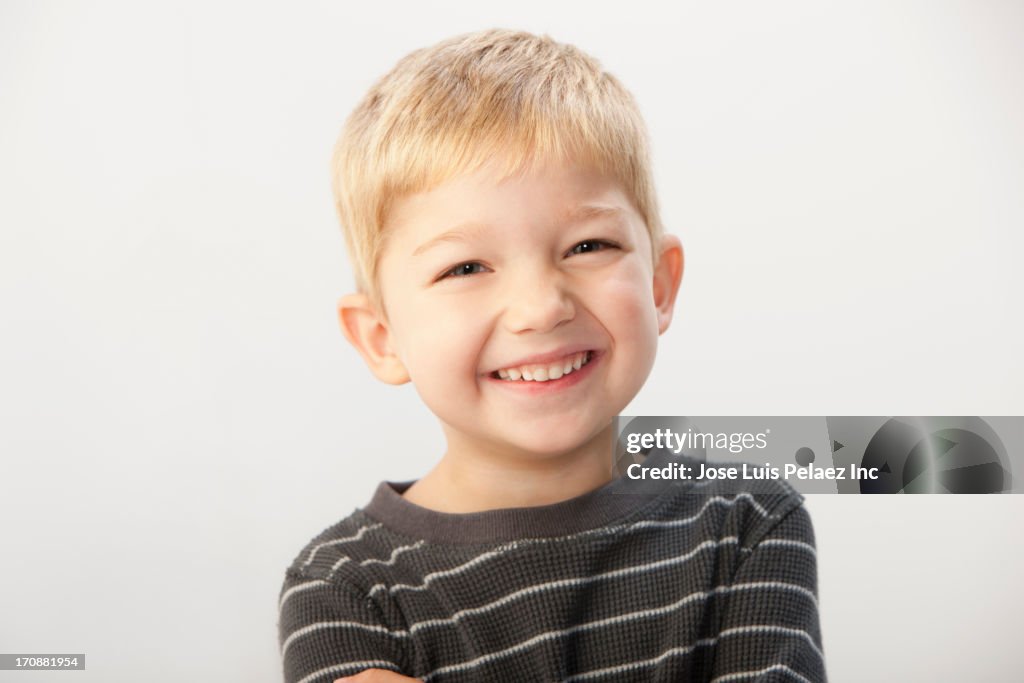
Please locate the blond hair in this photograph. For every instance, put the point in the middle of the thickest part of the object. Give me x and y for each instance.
(492, 95)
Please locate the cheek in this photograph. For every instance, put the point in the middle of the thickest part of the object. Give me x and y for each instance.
(630, 315)
(628, 300)
(442, 344)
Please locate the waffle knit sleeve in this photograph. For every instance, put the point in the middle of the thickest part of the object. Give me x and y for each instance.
(770, 629)
(327, 630)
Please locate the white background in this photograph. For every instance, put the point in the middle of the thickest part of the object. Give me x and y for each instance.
(179, 412)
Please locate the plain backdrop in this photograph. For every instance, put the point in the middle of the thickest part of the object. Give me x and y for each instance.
(180, 414)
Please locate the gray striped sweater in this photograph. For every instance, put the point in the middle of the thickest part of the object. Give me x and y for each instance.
(689, 582)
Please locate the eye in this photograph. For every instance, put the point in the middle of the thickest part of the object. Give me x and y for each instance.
(462, 270)
(590, 245)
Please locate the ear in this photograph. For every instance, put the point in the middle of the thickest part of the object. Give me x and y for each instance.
(367, 330)
(668, 273)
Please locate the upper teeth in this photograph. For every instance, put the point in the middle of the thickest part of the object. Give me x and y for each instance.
(543, 373)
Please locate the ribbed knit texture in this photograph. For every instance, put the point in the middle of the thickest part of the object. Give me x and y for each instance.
(691, 583)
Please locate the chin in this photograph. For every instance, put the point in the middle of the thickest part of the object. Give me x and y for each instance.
(554, 445)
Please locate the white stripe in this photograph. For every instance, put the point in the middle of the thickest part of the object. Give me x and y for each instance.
(479, 559)
(320, 625)
(778, 584)
(787, 543)
(339, 541)
(749, 674)
(394, 553)
(458, 616)
(358, 666)
(334, 568)
(643, 664)
(683, 649)
(692, 597)
(562, 583)
(391, 560)
(770, 628)
(606, 530)
(300, 587)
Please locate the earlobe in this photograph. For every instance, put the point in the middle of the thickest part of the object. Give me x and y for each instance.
(367, 331)
(668, 274)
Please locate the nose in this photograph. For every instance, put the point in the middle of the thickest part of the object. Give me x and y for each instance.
(538, 301)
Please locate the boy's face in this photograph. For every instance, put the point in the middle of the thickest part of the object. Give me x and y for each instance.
(479, 276)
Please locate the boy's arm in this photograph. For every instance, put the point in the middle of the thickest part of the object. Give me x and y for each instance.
(328, 630)
(770, 629)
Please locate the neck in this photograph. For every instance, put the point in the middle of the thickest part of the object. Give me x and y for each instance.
(475, 480)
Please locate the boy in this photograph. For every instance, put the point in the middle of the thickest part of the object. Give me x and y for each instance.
(499, 210)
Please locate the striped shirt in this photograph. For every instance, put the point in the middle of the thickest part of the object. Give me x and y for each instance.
(691, 582)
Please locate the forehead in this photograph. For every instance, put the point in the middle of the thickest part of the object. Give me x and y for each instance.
(551, 193)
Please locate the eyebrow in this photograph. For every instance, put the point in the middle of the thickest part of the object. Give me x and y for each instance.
(459, 233)
(466, 231)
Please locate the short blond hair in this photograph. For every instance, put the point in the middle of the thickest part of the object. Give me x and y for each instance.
(492, 95)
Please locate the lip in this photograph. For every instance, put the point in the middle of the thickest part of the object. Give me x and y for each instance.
(551, 385)
(542, 358)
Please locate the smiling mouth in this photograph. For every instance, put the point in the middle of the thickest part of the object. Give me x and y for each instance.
(545, 372)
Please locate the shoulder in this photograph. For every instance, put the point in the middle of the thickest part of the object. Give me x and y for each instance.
(337, 554)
